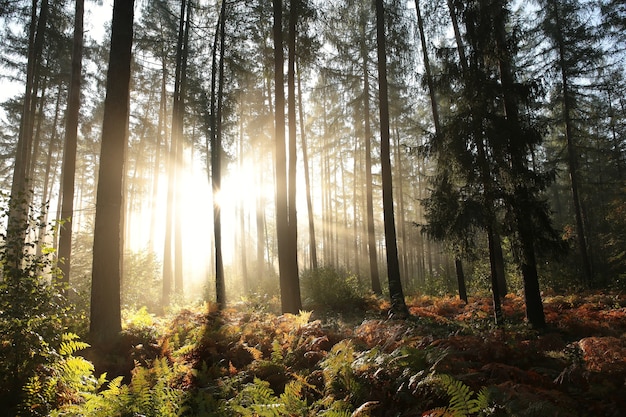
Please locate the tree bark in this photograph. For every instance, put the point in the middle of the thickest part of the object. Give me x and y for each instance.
(398, 306)
(287, 257)
(307, 180)
(216, 157)
(523, 218)
(105, 323)
(170, 262)
(20, 197)
(572, 155)
(179, 114)
(69, 149)
(371, 234)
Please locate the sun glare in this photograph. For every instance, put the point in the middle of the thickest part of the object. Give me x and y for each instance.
(240, 191)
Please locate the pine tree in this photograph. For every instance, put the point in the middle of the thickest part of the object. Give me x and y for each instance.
(105, 318)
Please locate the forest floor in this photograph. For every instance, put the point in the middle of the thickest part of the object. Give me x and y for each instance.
(359, 363)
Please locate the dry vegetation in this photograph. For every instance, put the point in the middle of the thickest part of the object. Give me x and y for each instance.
(242, 361)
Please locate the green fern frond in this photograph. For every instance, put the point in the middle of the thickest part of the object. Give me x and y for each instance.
(292, 399)
(114, 388)
(463, 401)
(77, 373)
(140, 390)
(70, 344)
(277, 352)
(257, 399)
(460, 396)
(482, 400)
(303, 318)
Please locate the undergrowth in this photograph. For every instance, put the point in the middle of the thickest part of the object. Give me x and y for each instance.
(442, 362)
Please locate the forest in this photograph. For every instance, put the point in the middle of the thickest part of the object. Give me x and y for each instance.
(312, 208)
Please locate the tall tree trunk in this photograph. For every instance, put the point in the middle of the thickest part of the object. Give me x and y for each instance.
(523, 216)
(29, 127)
(216, 158)
(38, 107)
(170, 248)
(69, 149)
(50, 173)
(371, 234)
(105, 319)
(307, 180)
(427, 69)
(20, 198)
(344, 204)
(396, 294)
(243, 245)
(180, 116)
(291, 116)
(325, 174)
(495, 250)
(401, 211)
(355, 205)
(160, 134)
(287, 256)
(572, 155)
(260, 220)
(457, 35)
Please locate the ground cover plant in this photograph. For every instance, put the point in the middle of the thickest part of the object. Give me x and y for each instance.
(446, 360)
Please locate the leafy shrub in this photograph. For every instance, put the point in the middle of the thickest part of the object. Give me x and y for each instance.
(33, 311)
(152, 392)
(61, 381)
(331, 288)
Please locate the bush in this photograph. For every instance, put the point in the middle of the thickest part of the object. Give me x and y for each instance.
(34, 313)
(331, 289)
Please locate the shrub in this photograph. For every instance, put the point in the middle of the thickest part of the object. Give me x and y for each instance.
(330, 288)
(34, 313)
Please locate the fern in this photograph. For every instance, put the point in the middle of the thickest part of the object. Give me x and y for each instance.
(70, 344)
(257, 399)
(340, 380)
(277, 352)
(292, 398)
(463, 401)
(303, 318)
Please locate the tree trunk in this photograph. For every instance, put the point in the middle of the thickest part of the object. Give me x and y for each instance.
(170, 263)
(180, 120)
(287, 258)
(105, 324)
(398, 306)
(572, 155)
(401, 211)
(20, 198)
(160, 134)
(355, 205)
(427, 69)
(460, 278)
(49, 175)
(371, 235)
(243, 246)
(69, 149)
(216, 158)
(307, 180)
(457, 35)
(523, 217)
(291, 115)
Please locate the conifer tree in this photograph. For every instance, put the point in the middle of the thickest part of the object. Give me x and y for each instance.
(105, 319)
